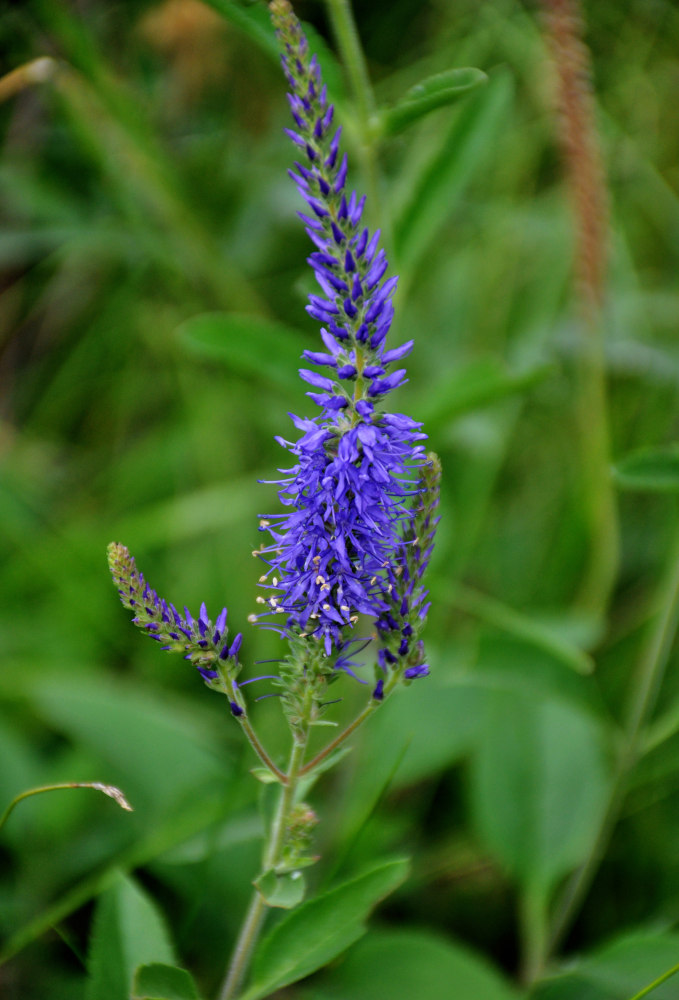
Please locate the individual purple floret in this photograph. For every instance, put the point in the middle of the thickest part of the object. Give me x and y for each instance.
(351, 497)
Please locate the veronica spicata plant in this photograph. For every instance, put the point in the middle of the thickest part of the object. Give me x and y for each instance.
(344, 559)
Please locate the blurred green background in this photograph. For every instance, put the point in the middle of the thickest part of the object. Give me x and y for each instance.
(144, 184)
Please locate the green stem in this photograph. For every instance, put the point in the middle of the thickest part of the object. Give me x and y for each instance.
(368, 710)
(254, 918)
(599, 491)
(259, 749)
(110, 790)
(657, 982)
(230, 692)
(372, 705)
(643, 696)
(534, 924)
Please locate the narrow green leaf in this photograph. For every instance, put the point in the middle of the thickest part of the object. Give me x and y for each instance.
(405, 964)
(321, 929)
(247, 345)
(128, 932)
(284, 890)
(434, 92)
(471, 139)
(516, 623)
(477, 384)
(163, 982)
(650, 470)
(539, 780)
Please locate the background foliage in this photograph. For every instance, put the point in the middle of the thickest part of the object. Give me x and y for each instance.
(143, 185)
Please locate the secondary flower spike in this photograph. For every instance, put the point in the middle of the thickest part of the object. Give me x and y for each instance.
(352, 495)
(201, 641)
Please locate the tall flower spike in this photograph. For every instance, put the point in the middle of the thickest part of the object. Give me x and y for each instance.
(352, 495)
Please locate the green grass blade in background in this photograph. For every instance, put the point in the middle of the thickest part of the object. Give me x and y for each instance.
(247, 345)
(159, 751)
(469, 142)
(435, 92)
(651, 470)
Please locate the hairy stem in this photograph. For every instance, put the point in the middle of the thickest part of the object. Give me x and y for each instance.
(253, 739)
(326, 751)
(372, 705)
(256, 913)
(227, 686)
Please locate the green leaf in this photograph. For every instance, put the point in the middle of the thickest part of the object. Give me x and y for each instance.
(618, 971)
(155, 751)
(321, 929)
(163, 982)
(477, 384)
(651, 470)
(128, 932)
(539, 782)
(438, 721)
(434, 92)
(284, 890)
(471, 139)
(248, 345)
(405, 964)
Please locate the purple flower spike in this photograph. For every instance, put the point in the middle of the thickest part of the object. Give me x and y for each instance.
(351, 496)
(161, 621)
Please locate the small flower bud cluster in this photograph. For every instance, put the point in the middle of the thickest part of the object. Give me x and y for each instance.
(304, 677)
(302, 822)
(203, 643)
